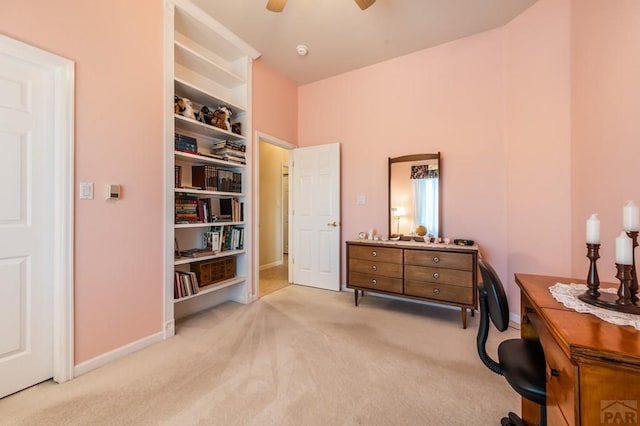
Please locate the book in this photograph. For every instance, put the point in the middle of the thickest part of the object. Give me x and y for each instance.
(199, 252)
(212, 240)
(178, 176)
(205, 177)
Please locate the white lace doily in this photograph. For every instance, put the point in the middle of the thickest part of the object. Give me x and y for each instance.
(567, 294)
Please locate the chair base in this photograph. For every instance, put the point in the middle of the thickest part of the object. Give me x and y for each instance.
(512, 420)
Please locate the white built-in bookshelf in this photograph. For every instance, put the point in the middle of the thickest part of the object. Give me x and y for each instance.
(207, 167)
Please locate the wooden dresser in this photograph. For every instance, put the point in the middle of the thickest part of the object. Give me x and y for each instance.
(439, 273)
(593, 367)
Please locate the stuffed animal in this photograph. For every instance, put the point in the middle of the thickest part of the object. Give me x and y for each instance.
(221, 118)
(204, 116)
(178, 104)
(188, 110)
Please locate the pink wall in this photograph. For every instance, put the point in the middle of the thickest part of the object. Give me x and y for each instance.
(275, 104)
(538, 172)
(117, 48)
(450, 99)
(605, 117)
(496, 105)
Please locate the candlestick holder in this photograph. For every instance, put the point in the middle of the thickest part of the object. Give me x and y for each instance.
(621, 301)
(634, 276)
(593, 281)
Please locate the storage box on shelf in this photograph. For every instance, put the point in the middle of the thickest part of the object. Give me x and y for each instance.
(211, 80)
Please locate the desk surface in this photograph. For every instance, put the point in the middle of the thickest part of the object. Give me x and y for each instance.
(581, 335)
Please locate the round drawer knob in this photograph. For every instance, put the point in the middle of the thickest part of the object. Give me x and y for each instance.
(436, 259)
(436, 275)
(374, 268)
(374, 281)
(374, 254)
(436, 291)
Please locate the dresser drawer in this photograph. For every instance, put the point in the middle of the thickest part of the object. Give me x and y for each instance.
(440, 259)
(439, 275)
(380, 254)
(438, 291)
(375, 282)
(393, 270)
(560, 373)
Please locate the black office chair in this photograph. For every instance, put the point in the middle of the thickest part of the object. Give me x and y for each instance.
(520, 361)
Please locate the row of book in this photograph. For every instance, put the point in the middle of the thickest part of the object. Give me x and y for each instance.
(191, 209)
(184, 284)
(186, 208)
(222, 238)
(211, 178)
(223, 150)
(185, 143)
(230, 151)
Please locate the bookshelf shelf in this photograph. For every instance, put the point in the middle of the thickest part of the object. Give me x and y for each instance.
(187, 260)
(207, 224)
(210, 66)
(213, 287)
(203, 129)
(212, 193)
(196, 159)
(190, 59)
(202, 96)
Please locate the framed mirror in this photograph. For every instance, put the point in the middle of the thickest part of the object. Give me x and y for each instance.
(415, 203)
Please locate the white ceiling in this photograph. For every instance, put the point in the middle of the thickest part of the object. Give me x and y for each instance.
(341, 37)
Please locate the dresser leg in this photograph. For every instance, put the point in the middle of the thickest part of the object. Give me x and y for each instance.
(355, 295)
(464, 317)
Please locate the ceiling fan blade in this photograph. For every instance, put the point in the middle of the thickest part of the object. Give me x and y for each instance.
(276, 5)
(364, 3)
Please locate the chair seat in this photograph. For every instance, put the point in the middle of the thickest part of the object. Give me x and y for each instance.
(523, 365)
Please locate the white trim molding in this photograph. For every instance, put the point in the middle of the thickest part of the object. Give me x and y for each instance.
(118, 353)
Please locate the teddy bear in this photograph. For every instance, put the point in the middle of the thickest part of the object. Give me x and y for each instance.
(221, 118)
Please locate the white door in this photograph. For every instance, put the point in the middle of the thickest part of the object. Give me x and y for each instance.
(26, 223)
(315, 231)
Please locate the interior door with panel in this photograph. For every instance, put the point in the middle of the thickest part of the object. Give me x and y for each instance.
(26, 223)
(315, 186)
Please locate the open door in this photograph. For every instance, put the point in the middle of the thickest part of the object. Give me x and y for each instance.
(315, 224)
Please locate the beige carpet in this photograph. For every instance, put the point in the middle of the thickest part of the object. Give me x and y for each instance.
(299, 356)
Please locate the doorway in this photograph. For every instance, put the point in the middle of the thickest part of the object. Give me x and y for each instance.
(273, 230)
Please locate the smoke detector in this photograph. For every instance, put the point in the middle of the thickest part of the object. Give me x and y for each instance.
(302, 50)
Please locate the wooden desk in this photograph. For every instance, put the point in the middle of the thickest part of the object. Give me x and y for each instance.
(593, 367)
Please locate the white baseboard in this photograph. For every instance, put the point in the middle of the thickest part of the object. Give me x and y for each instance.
(115, 354)
(271, 265)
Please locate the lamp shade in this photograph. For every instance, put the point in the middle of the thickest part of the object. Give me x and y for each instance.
(398, 211)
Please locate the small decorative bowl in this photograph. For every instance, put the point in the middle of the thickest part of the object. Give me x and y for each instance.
(394, 238)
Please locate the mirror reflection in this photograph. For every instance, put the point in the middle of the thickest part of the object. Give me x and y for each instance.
(414, 195)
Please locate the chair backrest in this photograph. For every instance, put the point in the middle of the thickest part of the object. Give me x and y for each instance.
(494, 306)
(496, 297)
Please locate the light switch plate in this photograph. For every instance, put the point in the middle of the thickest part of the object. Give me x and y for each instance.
(361, 200)
(86, 191)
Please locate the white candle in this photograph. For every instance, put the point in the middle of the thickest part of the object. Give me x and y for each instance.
(630, 217)
(593, 229)
(624, 249)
